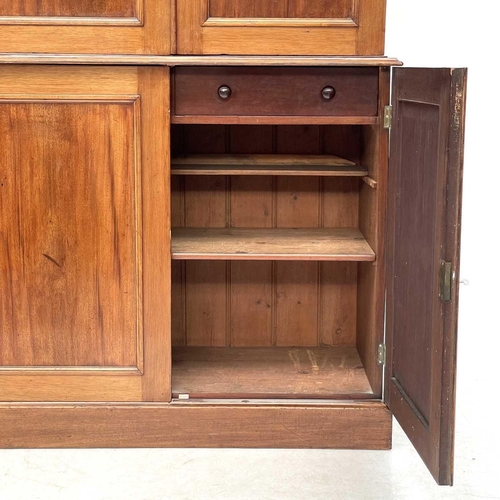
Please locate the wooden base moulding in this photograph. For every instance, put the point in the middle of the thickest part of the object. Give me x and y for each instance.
(341, 426)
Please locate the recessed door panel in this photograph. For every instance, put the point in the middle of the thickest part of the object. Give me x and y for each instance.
(69, 8)
(284, 9)
(70, 234)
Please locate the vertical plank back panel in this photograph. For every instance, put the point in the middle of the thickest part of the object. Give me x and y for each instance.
(340, 208)
(251, 205)
(251, 304)
(297, 205)
(204, 306)
(343, 141)
(338, 299)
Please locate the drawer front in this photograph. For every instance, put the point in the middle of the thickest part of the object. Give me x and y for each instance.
(255, 91)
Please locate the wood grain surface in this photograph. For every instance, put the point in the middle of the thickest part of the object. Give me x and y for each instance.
(281, 8)
(85, 271)
(275, 92)
(180, 60)
(292, 165)
(342, 244)
(269, 372)
(349, 426)
(425, 208)
(68, 8)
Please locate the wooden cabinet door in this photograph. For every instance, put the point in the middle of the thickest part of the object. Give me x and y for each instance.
(425, 184)
(84, 234)
(85, 26)
(287, 27)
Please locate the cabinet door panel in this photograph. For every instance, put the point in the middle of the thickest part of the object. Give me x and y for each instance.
(87, 26)
(61, 270)
(424, 228)
(284, 9)
(76, 283)
(84, 8)
(293, 27)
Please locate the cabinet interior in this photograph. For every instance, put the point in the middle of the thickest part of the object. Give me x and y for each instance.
(275, 271)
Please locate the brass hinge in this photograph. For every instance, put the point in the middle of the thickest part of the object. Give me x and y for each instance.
(445, 279)
(382, 354)
(388, 117)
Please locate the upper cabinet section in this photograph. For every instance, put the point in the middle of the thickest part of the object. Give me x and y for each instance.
(85, 26)
(281, 27)
(193, 27)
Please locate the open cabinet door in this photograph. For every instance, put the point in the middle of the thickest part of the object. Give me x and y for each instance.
(425, 184)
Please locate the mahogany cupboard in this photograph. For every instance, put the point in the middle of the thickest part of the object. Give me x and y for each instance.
(228, 250)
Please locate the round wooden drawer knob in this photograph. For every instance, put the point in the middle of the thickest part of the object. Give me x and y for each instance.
(328, 93)
(225, 92)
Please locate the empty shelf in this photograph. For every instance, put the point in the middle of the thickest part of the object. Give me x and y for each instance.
(269, 372)
(294, 165)
(340, 244)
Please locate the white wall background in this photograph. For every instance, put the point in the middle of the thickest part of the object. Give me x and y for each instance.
(421, 33)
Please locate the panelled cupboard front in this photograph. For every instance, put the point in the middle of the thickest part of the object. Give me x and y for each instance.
(210, 250)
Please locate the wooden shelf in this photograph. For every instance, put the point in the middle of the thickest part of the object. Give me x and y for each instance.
(293, 165)
(273, 120)
(269, 372)
(340, 244)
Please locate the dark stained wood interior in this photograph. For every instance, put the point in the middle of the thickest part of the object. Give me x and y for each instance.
(269, 372)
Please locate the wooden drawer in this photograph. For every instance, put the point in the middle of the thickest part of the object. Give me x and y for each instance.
(273, 92)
